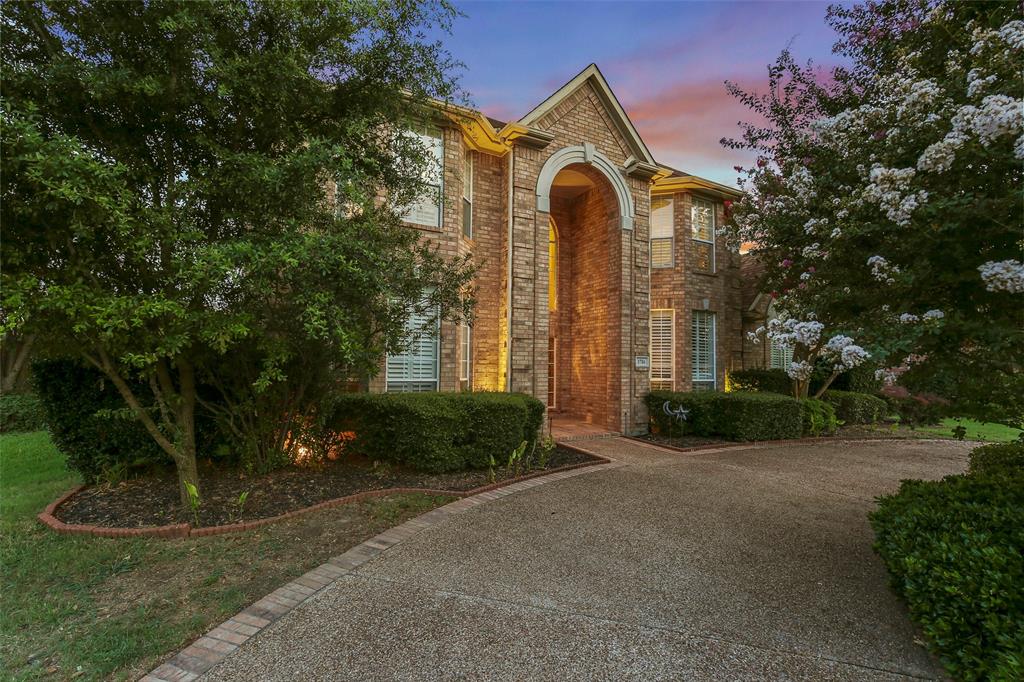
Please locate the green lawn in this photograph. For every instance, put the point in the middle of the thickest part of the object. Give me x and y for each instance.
(98, 608)
(986, 431)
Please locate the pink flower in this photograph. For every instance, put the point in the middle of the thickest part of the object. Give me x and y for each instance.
(761, 163)
(786, 263)
(807, 160)
(803, 285)
(878, 135)
(811, 270)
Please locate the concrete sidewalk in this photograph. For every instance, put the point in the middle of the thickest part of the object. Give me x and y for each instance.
(731, 564)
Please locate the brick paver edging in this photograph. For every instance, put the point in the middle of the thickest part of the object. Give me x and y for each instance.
(184, 530)
(767, 443)
(213, 647)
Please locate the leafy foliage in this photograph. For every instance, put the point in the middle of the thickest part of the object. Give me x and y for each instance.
(856, 408)
(953, 549)
(885, 199)
(734, 415)
(172, 184)
(436, 432)
(767, 380)
(21, 412)
(819, 418)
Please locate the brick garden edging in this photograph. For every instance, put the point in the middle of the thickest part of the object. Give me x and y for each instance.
(184, 530)
(196, 659)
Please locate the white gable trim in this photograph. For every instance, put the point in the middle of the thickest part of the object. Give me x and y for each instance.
(587, 154)
(619, 118)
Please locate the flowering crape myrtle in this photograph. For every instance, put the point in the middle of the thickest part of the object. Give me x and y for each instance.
(885, 200)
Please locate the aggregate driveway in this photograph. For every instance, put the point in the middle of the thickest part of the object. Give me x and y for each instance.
(751, 563)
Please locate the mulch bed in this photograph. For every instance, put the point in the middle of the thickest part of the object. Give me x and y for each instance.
(153, 500)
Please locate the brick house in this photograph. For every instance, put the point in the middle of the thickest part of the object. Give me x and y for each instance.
(600, 273)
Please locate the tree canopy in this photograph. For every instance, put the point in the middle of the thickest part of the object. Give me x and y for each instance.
(212, 193)
(885, 200)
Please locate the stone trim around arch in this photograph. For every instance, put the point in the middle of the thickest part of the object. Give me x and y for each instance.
(585, 153)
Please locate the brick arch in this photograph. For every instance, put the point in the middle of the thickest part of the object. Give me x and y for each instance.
(588, 155)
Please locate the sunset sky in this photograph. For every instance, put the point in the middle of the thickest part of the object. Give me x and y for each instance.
(666, 62)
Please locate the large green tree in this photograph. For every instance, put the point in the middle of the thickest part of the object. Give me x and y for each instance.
(885, 202)
(210, 192)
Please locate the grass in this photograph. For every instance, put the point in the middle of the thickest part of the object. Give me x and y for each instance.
(984, 431)
(99, 608)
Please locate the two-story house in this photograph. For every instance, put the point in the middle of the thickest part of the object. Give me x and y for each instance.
(600, 270)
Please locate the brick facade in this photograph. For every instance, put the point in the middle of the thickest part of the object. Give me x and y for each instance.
(605, 285)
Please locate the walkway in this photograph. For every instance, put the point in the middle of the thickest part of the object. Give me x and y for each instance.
(750, 563)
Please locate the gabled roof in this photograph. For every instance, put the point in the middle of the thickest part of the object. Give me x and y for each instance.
(593, 75)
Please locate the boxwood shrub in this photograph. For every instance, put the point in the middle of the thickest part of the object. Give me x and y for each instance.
(21, 412)
(761, 380)
(819, 418)
(733, 415)
(998, 458)
(856, 408)
(953, 550)
(437, 432)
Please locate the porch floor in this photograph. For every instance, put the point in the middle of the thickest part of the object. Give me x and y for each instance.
(567, 428)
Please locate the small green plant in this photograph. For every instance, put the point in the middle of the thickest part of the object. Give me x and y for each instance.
(547, 446)
(490, 469)
(515, 459)
(959, 431)
(193, 500)
(236, 515)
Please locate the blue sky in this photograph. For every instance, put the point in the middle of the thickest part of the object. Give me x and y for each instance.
(666, 62)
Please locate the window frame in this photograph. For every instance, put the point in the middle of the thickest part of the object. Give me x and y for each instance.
(467, 196)
(412, 384)
(695, 203)
(466, 353)
(786, 361)
(671, 345)
(671, 239)
(696, 380)
(434, 133)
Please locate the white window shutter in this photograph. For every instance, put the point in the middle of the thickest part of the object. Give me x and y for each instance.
(662, 349)
(702, 334)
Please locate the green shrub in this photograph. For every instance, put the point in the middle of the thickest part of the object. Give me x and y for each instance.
(437, 432)
(998, 458)
(761, 380)
(94, 429)
(733, 415)
(953, 549)
(819, 418)
(21, 412)
(856, 408)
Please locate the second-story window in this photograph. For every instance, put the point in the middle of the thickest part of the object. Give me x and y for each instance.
(662, 232)
(703, 219)
(426, 211)
(467, 195)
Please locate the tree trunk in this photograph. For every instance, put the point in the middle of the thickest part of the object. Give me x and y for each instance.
(186, 440)
(16, 350)
(824, 387)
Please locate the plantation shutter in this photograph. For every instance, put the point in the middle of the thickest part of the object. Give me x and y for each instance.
(426, 210)
(415, 368)
(702, 334)
(662, 231)
(662, 345)
(781, 355)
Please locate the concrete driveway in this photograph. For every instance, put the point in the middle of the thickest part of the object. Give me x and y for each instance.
(751, 563)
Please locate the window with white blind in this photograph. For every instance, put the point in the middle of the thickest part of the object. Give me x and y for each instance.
(703, 221)
(426, 210)
(467, 195)
(662, 232)
(415, 368)
(662, 349)
(466, 354)
(702, 336)
(781, 355)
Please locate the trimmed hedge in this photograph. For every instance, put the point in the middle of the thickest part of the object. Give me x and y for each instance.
(819, 417)
(733, 415)
(997, 458)
(437, 432)
(21, 412)
(761, 380)
(856, 408)
(953, 550)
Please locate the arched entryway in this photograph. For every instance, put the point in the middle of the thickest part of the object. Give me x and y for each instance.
(585, 224)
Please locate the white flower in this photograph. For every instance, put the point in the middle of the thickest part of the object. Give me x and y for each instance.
(933, 314)
(805, 276)
(908, 318)
(1006, 275)
(800, 370)
(883, 270)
